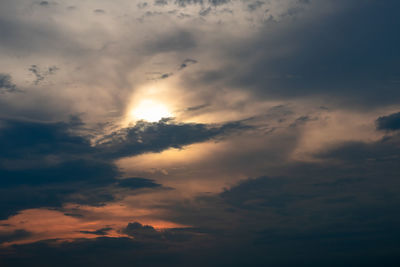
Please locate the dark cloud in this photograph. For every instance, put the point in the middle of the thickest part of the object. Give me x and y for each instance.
(148, 247)
(261, 192)
(302, 120)
(347, 217)
(199, 107)
(41, 75)
(255, 5)
(187, 62)
(296, 56)
(13, 236)
(44, 3)
(101, 251)
(135, 183)
(218, 2)
(183, 3)
(342, 205)
(166, 75)
(47, 164)
(42, 164)
(390, 122)
(102, 231)
(160, 2)
(6, 84)
(142, 5)
(21, 139)
(78, 181)
(158, 136)
(385, 150)
(292, 217)
(148, 233)
(151, 14)
(205, 12)
(141, 232)
(99, 11)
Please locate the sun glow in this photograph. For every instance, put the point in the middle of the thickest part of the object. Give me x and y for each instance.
(150, 110)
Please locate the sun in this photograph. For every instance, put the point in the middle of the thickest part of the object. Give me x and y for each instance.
(150, 110)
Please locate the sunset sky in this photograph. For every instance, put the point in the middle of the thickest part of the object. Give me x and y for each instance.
(199, 133)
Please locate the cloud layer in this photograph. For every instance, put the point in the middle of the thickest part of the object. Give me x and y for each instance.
(280, 147)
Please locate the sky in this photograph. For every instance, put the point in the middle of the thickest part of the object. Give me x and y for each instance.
(199, 133)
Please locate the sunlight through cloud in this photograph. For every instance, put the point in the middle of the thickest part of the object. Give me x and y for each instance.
(150, 110)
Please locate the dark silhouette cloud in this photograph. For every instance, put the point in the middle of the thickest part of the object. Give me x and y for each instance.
(390, 122)
(148, 233)
(13, 236)
(158, 136)
(141, 232)
(46, 164)
(135, 183)
(102, 231)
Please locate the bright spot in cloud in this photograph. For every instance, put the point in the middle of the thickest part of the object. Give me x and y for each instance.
(150, 110)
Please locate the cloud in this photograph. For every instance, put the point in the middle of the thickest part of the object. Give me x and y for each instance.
(187, 62)
(47, 164)
(294, 56)
(142, 5)
(44, 3)
(390, 122)
(135, 183)
(41, 75)
(160, 2)
(23, 137)
(205, 12)
(384, 150)
(183, 3)
(184, 64)
(198, 107)
(99, 11)
(140, 231)
(6, 84)
(157, 136)
(255, 5)
(13, 236)
(102, 231)
(180, 40)
(275, 62)
(218, 2)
